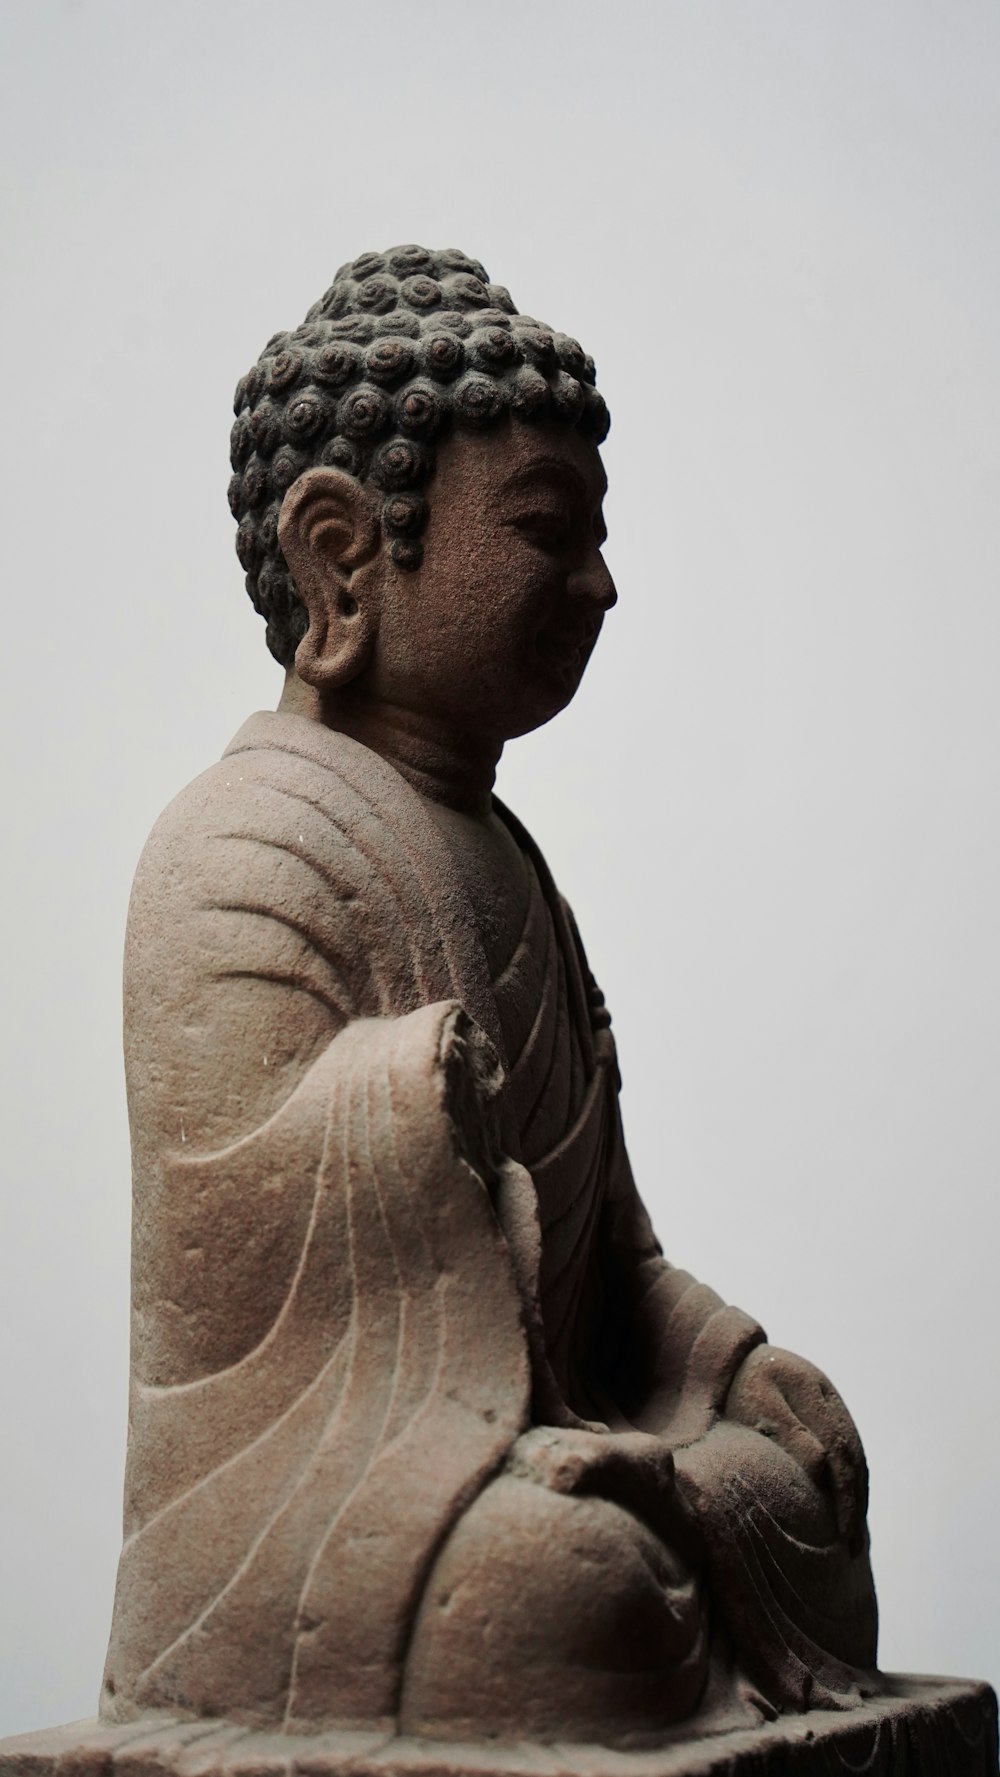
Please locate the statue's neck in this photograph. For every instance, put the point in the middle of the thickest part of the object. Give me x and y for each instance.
(440, 762)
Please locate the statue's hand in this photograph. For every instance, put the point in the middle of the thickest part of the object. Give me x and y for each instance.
(784, 1397)
(634, 1470)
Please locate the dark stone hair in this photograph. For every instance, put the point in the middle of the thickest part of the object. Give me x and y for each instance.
(403, 345)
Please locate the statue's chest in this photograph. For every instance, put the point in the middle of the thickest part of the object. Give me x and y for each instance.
(493, 877)
(547, 1056)
(555, 1102)
(535, 980)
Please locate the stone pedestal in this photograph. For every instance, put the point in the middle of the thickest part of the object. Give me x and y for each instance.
(923, 1727)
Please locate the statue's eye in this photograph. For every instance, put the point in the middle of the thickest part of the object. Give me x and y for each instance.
(545, 528)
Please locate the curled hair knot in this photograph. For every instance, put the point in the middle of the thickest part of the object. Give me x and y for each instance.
(454, 321)
(378, 295)
(469, 289)
(331, 304)
(570, 354)
(567, 396)
(240, 443)
(421, 293)
(417, 410)
(340, 453)
(444, 355)
(493, 349)
(267, 529)
(287, 466)
(254, 484)
(595, 420)
(404, 515)
(364, 412)
(453, 259)
(399, 464)
(367, 265)
(407, 552)
(360, 328)
(264, 427)
(479, 400)
(388, 361)
(284, 370)
(247, 544)
(406, 261)
(536, 343)
(530, 396)
(403, 325)
(305, 415)
(336, 363)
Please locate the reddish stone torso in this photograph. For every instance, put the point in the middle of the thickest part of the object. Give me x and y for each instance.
(555, 1105)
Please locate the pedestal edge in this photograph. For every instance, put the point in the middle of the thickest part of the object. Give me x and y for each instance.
(921, 1727)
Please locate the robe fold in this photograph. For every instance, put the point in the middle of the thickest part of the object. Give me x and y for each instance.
(385, 1232)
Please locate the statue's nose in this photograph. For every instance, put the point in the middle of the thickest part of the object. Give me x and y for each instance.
(592, 584)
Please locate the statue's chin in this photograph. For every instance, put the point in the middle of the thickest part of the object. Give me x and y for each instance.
(555, 682)
(567, 686)
(541, 714)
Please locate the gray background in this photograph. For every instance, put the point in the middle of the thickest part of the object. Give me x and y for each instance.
(774, 223)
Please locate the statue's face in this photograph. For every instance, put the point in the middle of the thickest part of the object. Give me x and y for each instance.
(494, 631)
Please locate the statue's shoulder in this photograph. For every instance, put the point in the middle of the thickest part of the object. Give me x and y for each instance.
(274, 773)
(292, 812)
(299, 843)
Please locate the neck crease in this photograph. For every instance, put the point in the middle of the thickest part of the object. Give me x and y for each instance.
(436, 759)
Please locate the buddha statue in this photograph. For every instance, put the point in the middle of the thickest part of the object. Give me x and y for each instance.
(436, 1466)
(426, 1436)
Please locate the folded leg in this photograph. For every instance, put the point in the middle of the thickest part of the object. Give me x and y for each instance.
(555, 1615)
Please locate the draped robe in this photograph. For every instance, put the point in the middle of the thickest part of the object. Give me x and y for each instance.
(395, 1298)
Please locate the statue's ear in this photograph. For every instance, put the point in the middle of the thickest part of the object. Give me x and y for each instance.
(329, 535)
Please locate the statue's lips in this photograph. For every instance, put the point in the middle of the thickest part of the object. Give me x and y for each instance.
(567, 644)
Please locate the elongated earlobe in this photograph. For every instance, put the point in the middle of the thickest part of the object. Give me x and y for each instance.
(330, 538)
(338, 647)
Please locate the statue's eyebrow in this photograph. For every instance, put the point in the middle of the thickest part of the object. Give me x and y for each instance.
(554, 469)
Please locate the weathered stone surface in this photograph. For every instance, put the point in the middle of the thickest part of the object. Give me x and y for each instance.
(921, 1727)
(435, 1462)
(426, 1434)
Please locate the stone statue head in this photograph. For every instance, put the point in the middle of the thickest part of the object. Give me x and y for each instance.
(412, 366)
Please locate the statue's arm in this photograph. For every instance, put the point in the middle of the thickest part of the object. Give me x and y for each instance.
(330, 1357)
(672, 1346)
(260, 936)
(663, 1348)
(674, 1358)
(685, 1359)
